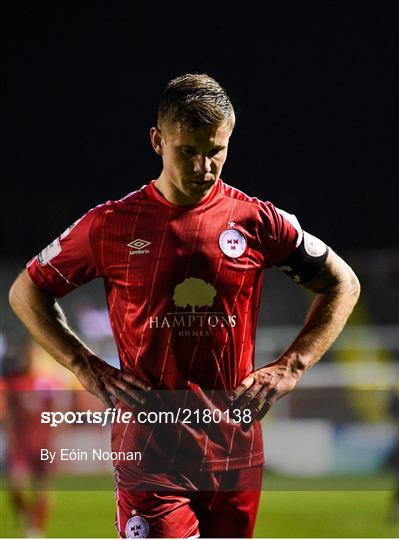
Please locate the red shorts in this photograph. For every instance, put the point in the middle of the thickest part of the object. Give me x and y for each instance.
(166, 506)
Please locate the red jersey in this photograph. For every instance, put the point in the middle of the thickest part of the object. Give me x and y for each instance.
(27, 395)
(183, 287)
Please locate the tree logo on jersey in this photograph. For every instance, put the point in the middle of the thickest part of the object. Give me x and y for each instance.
(194, 292)
(138, 246)
(233, 243)
(137, 527)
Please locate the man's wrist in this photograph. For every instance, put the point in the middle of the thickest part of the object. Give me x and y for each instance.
(78, 363)
(296, 363)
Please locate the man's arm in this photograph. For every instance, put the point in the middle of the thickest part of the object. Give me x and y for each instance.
(47, 324)
(337, 290)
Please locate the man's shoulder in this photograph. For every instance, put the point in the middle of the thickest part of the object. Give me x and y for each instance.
(126, 202)
(105, 214)
(115, 206)
(235, 193)
(254, 203)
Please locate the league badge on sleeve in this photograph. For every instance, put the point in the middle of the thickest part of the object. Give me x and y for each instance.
(48, 253)
(313, 246)
(233, 243)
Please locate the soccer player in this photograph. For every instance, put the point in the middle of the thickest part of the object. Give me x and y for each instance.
(27, 393)
(182, 259)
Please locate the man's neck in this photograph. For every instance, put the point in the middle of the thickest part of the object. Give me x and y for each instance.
(173, 195)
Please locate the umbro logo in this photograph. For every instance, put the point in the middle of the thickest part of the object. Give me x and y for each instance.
(138, 246)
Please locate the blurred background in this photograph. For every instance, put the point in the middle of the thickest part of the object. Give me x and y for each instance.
(315, 86)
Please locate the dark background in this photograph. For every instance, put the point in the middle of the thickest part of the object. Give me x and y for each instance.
(315, 85)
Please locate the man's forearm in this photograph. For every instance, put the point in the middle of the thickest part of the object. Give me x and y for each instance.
(327, 316)
(326, 319)
(46, 322)
(337, 290)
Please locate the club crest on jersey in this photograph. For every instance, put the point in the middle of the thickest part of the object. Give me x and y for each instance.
(136, 527)
(233, 243)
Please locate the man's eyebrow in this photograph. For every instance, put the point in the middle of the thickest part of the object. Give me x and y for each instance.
(191, 146)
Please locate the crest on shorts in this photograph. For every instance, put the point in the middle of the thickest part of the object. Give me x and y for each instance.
(137, 527)
(233, 243)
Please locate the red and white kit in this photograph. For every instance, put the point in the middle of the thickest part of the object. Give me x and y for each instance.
(183, 287)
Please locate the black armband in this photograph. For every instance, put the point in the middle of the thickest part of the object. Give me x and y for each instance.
(307, 259)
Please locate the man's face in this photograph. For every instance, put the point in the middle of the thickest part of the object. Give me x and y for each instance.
(192, 159)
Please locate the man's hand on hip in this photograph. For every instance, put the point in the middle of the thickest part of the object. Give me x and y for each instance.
(262, 388)
(106, 382)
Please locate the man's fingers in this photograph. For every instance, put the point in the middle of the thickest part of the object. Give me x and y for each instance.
(253, 392)
(113, 382)
(253, 408)
(261, 392)
(264, 391)
(250, 399)
(105, 398)
(258, 392)
(135, 381)
(241, 388)
(271, 398)
(121, 395)
(133, 393)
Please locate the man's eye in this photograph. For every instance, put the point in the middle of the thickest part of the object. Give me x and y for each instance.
(214, 152)
(187, 151)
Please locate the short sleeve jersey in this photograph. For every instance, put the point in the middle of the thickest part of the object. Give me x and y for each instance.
(183, 287)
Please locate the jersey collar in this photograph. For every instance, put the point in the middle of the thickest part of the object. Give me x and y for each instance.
(157, 196)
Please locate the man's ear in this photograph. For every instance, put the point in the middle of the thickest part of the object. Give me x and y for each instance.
(156, 139)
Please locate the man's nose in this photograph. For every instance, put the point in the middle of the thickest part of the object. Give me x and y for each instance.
(202, 164)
